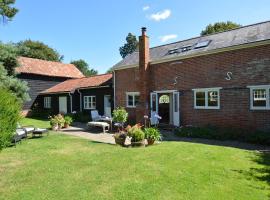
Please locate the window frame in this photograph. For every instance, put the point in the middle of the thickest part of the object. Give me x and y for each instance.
(133, 94)
(251, 99)
(206, 90)
(47, 102)
(89, 100)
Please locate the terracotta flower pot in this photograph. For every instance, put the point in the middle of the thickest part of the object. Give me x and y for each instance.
(150, 141)
(66, 125)
(55, 127)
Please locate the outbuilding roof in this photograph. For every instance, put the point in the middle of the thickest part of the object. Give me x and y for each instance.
(244, 35)
(80, 83)
(47, 68)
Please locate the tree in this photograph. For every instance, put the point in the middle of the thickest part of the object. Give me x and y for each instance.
(10, 109)
(110, 70)
(14, 85)
(130, 46)
(6, 10)
(84, 67)
(219, 27)
(8, 57)
(39, 50)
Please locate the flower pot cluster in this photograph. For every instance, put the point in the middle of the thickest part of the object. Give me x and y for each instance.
(136, 133)
(59, 121)
(139, 137)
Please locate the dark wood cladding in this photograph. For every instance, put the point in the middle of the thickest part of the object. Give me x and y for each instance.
(37, 84)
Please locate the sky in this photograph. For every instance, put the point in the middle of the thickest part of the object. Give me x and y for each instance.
(94, 30)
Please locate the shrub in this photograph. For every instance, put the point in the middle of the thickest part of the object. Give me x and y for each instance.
(152, 134)
(136, 133)
(80, 117)
(9, 116)
(217, 133)
(120, 115)
(68, 119)
(57, 120)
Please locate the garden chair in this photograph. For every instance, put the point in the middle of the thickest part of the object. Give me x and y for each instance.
(27, 129)
(95, 115)
(19, 135)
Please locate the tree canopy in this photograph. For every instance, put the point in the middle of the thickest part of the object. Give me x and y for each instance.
(84, 67)
(130, 46)
(39, 50)
(8, 57)
(219, 27)
(7, 11)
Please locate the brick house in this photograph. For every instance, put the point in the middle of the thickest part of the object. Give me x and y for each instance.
(221, 79)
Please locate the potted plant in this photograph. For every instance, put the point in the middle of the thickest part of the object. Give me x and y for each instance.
(53, 123)
(68, 121)
(120, 116)
(152, 135)
(120, 138)
(60, 120)
(137, 136)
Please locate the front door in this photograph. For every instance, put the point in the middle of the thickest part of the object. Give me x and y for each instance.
(107, 106)
(164, 107)
(63, 105)
(176, 109)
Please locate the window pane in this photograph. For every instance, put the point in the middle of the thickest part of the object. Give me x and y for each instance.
(137, 98)
(200, 98)
(164, 99)
(130, 100)
(212, 98)
(259, 98)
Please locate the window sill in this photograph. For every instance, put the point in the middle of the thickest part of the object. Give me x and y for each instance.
(130, 106)
(89, 108)
(258, 108)
(207, 108)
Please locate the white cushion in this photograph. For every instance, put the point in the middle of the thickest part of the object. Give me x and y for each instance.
(28, 129)
(103, 124)
(20, 132)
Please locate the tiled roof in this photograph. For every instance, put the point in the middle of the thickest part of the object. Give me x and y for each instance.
(80, 83)
(47, 68)
(243, 35)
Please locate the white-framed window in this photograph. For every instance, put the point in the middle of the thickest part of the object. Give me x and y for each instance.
(259, 97)
(89, 102)
(207, 98)
(132, 99)
(47, 102)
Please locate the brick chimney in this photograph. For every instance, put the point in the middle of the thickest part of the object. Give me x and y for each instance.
(143, 80)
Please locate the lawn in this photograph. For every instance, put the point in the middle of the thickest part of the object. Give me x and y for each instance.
(64, 167)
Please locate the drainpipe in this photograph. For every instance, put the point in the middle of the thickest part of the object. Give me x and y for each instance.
(114, 89)
(70, 95)
(80, 100)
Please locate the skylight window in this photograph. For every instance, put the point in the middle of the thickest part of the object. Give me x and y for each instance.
(173, 51)
(202, 44)
(186, 48)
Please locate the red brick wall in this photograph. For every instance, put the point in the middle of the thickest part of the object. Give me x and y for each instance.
(248, 66)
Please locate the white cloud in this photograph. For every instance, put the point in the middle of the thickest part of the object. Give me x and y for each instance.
(161, 15)
(166, 38)
(145, 8)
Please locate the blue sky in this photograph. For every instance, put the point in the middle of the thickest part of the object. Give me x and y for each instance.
(94, 30)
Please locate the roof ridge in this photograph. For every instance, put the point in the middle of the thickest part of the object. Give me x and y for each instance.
(212, 34)
(46, 60)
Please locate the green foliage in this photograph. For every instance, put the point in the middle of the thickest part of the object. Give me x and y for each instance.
(8, 57)
(80, 117)
(212, 132)
(6, 10)
(152, 133)
(219, 27)
(57, 120)
(39, 50)
(136, 133)
(130, 46)
(16, 86)
(110, 70)
(68, 119)
(9, 117)
(120, 115)
(84, 67)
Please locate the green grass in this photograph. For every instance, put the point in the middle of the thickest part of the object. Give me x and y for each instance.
(64, 167)
(35, 122)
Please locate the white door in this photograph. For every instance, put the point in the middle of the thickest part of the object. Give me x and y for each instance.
(63, 105)
(153, 107)
(176, 109)
(107, 106)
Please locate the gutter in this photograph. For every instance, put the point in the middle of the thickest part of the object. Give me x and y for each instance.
(80, 99)
(114, 82)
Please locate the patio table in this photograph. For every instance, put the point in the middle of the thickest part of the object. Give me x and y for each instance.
(108, 120)
(39, 131)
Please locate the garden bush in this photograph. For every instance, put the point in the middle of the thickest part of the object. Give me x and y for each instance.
(218, 133)
(136, 133)
(9, 116)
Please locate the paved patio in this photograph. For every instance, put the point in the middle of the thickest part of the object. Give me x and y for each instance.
(81, 130)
